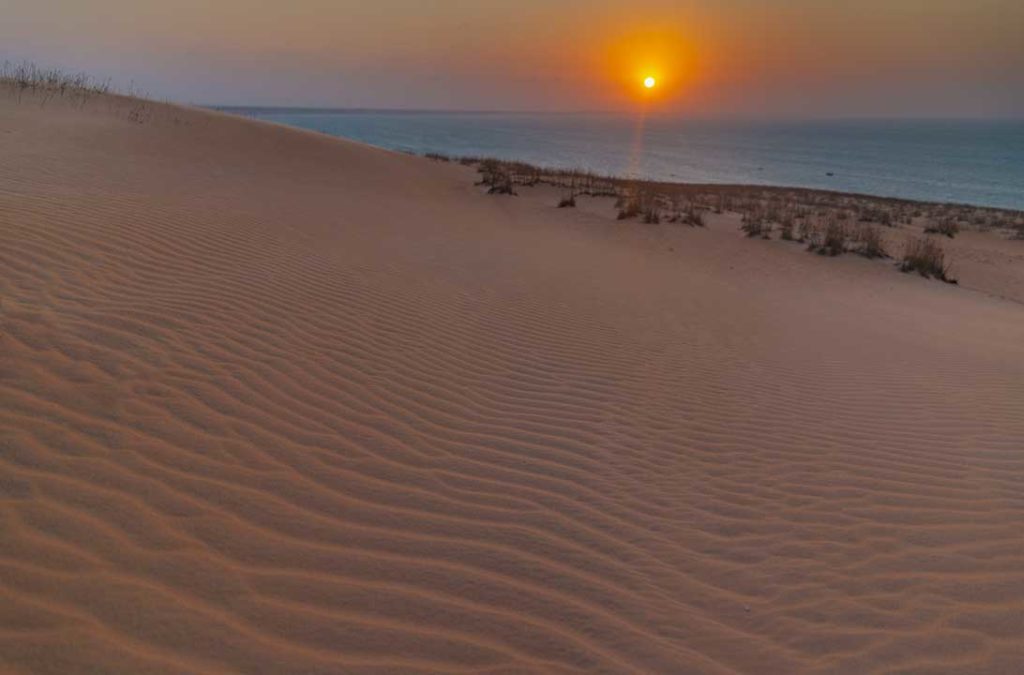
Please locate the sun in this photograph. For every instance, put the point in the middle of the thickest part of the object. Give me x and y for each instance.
(649, 82)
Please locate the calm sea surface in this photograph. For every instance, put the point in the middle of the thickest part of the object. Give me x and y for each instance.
(974, 162)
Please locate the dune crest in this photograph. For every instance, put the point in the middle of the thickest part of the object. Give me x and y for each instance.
(276, 402)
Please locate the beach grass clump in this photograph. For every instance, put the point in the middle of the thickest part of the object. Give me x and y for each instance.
(870, 243)
(924, 256)
(947, 226)
(786, 225)
(805, 230)
(496, 176)
(693, 217)
(638, 200)
(438, 157)
(875, 213)
(836, 236)
(687, 212)
(629, 206)
(754, 224)
(568, 201)
(831, 239)
(652, 214)
(502, 185)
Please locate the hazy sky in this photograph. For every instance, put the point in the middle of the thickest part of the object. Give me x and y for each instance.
(802, 58)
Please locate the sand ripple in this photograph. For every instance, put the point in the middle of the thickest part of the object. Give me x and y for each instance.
(277, 403)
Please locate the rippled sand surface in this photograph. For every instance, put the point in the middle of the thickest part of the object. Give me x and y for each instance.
(272, 402)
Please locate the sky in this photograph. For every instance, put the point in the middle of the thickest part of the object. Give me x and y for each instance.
(724, 58)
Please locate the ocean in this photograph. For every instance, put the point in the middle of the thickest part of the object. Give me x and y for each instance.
(964, 161)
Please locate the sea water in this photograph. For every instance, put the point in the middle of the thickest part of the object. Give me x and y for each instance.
(964, 161)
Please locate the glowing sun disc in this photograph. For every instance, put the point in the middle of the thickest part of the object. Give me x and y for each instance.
(650, 82)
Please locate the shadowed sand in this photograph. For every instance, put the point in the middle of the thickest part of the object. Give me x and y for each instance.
(273, 402)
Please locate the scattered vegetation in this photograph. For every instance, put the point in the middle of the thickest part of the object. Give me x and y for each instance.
(27, 81)
(924, 256)
(828, 223)
(49, 83)
(792, 210)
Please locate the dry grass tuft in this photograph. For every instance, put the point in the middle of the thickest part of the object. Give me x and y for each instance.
(497, 176)
(870, 243)
(946, 226)
(637, 201)
(755, 224)
(830, 238)
(687, 213)
(924, 256)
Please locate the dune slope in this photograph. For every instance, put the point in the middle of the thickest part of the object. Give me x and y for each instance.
(277, 403)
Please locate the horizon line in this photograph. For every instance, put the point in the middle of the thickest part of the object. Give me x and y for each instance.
(300, 109)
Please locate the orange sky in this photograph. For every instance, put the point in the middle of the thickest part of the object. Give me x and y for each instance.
(731, 57)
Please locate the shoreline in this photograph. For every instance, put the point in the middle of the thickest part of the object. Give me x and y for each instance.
(738, 188)
(986, 186)
(582, 181)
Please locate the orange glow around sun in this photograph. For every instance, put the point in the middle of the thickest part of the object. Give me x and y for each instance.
(650, 65)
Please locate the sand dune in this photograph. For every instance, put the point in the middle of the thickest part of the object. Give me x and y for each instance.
(278, 403)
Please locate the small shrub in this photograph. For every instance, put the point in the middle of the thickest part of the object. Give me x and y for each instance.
(926, 257)
(946, 226)
(568, 202)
